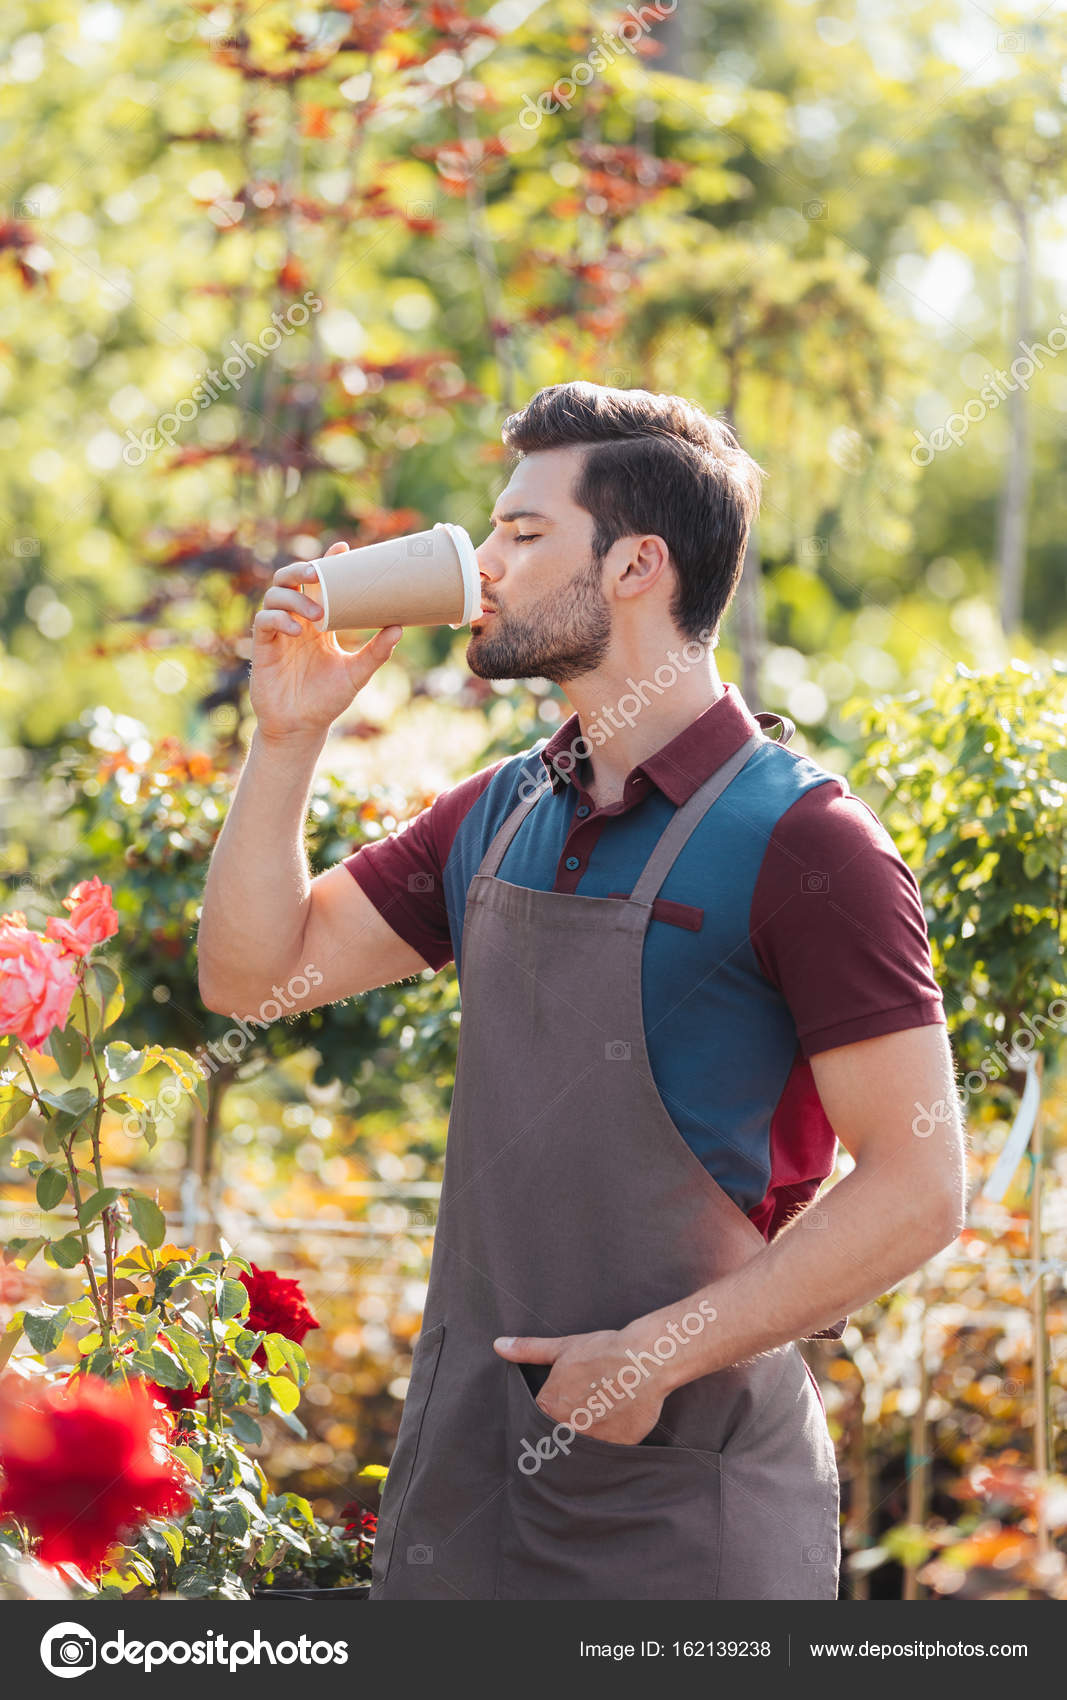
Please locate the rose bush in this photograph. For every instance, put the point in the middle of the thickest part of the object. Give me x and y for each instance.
(128, 1470)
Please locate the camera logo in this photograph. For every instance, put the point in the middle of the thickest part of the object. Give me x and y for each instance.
(68, 1650)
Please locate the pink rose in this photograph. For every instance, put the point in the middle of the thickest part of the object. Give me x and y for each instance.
(92, 918)
(37, 983)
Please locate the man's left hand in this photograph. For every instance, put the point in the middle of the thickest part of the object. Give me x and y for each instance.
(585, 1380)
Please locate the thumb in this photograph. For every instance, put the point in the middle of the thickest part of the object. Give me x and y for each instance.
(528, 1349)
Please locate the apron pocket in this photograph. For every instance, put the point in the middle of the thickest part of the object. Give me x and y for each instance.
(600, 1521)
(398, 1480)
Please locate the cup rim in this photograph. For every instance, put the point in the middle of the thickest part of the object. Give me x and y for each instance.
(323, 624)
(469, 566)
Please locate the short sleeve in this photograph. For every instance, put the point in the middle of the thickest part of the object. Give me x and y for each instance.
(837, 924)
(404, 874)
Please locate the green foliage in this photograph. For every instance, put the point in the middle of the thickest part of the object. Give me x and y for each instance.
(162, 1313)
(976, 777)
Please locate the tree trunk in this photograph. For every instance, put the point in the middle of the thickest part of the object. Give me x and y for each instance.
(198, 1199)
(1012, 527)
(672, 36)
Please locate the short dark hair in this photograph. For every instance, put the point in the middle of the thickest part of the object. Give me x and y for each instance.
(656, 464)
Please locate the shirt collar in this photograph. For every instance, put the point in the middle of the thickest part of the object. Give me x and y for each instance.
(681, 766)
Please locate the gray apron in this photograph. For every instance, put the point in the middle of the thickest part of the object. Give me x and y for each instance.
(571, 1203)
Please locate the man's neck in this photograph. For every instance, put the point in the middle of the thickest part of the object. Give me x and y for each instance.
(627, 720)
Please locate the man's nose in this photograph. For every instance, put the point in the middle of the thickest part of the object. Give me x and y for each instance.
(485, 555)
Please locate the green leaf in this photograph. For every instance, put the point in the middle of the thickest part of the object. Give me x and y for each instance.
(13, 1105)
(66, 1252)
(189, 1352)
(296, 1502)
(161, 1367)
(66, 1047)
(21, 1252)
(109, 994)
(244, 1343)
(181, 1063)
(1057, 762)
(74, 1101)
(286, 1354)
(22, 1157)
(231, 1518)
(231, 1297)
(192, 1461)
(51, 1187)
(126, 1101)
(97, 1201)
(72, 1107)
(10, 1338)
(148, 1219)
(285, 1391)
(174, 1539)
(45, 1329)
(193, 1581)
(246, 1428)
(123, 1062)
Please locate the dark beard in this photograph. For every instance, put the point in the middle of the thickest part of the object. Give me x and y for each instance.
(566, 636)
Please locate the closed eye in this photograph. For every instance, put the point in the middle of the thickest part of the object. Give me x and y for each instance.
(527, 537)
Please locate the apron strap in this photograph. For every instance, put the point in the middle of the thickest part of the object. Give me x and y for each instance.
(495, 853)
(681, 825)
(685, 819)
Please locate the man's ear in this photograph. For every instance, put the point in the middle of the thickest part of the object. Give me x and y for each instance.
(644, 563)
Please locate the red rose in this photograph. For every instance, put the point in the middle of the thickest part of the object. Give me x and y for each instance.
(359, 1522)
(276, 1306)
(84, 1462)
(92, 918)
(176, 1398)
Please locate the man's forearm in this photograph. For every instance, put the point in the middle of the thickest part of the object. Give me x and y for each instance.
(864, 1236)
(257, 891)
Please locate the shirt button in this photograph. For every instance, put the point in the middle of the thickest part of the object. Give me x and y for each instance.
(582, 810)
(572, 862)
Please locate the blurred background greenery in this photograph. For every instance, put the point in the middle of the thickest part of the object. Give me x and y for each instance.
(840, 224)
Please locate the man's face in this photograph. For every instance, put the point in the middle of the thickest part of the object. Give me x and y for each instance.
(547, 615)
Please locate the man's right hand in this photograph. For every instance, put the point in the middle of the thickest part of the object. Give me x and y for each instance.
(302, 679)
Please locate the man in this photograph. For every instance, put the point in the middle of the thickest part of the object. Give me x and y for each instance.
(690, 961)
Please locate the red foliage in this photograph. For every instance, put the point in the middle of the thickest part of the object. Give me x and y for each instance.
(18, 237)
(372, 22)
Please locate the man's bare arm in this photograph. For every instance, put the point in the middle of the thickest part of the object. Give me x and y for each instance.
(267, 924)
(903, 1201)
(264, 920)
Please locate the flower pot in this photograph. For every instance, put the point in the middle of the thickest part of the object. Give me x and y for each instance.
(359, 1591)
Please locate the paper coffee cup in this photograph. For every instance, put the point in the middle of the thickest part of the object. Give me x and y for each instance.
(428, 578)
